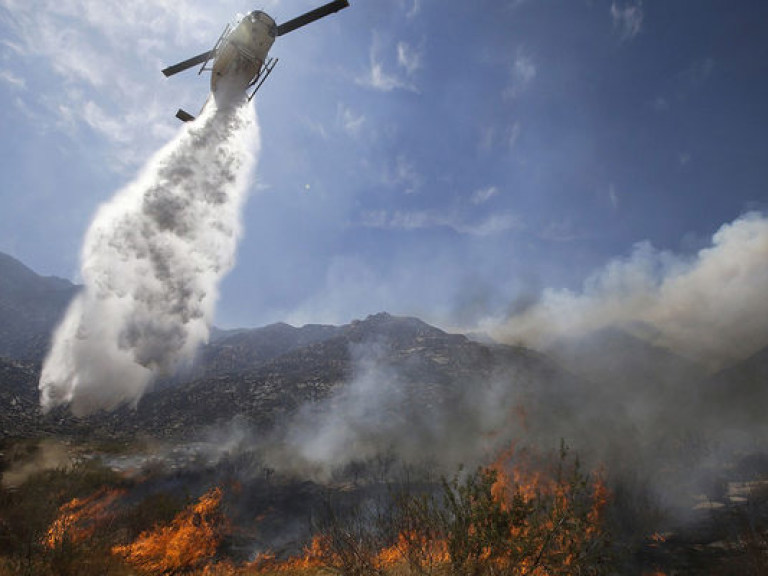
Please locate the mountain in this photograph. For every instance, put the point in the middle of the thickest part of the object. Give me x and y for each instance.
(239, 350)
(630, 371)
(30, 307)
(18, 399)
(738, 394)
(267, 374)
(391, 375)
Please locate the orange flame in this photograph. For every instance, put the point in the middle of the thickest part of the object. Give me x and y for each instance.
(80, 517)
(550, 541)
(191, 539)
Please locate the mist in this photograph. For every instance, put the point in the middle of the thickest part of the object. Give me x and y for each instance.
(151, 263)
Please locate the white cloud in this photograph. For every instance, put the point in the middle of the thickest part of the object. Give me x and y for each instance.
(11, 78)
(524, 69)
(425, 219)
(349, 121)
(103, 123)
(492, 225)
(97, 57)
(378, 79)
(414, 11)
(482, 195)
(628, 20)
(409, 58)
(403, 175)
(523, 73)
(559, 231)
(613, 197)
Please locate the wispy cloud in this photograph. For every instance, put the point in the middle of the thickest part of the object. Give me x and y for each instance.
(349, 121)
(98, 54)
(414, 11)
(10, 78)
(409, 58)
(523, 73)
(482, 195)
(103, 122)
(628, 19)
(426, 219)
(380, 79)
(613, 196)
(559, 231)
(404, 174)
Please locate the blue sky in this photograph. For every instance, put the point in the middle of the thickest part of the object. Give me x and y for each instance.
(443, 159)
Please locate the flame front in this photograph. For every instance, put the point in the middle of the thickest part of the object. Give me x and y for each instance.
(190, 540)
(79, 518)
(516, 519)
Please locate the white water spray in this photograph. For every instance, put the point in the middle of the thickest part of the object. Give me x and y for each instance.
(151, 263)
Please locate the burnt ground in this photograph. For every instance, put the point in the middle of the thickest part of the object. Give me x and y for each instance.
(722, 532)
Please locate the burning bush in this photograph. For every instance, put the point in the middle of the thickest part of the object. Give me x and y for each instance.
(491, 522)
(79, 518)
(190, 540)
(495, 520)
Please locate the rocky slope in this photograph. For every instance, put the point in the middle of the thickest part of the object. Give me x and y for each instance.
(30, 307)
(266, 375)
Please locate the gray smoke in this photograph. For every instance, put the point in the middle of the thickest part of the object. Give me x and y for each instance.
(710, 308)
(392, 411)
(151, 263)
(634, 394)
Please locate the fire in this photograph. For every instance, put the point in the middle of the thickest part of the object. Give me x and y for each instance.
(515, 516)
(79, 518)
(190, 540)
(312, 557)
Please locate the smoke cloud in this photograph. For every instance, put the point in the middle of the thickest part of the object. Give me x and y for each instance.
(392, 409)
(151, 263)
(709, 308)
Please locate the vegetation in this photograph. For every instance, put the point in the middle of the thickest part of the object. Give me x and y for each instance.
(86, 519)
(534, 518)
(477, 524)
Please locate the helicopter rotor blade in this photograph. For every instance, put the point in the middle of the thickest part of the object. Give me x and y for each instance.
(194, 61)
(311, 16)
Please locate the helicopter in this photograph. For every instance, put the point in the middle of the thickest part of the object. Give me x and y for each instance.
(242, 51)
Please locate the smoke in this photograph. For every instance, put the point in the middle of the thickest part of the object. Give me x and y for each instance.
(710, 308)
(151, 263)
(398, 408)
(621, 391)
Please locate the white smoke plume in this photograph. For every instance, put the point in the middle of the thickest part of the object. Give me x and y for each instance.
(385, 414)
(151, 263)
(711, 308)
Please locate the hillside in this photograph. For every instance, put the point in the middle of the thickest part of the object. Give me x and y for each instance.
(30, 307)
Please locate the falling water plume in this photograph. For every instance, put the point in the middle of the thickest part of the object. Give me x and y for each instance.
(151, 263)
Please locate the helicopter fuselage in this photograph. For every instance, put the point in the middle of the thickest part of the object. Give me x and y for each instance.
(242, 52)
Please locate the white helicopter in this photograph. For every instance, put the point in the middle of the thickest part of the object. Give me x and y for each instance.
(242, 52)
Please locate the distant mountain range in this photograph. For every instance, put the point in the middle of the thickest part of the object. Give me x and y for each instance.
(438, 383)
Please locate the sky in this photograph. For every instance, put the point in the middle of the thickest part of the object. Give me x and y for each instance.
(443, 159)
